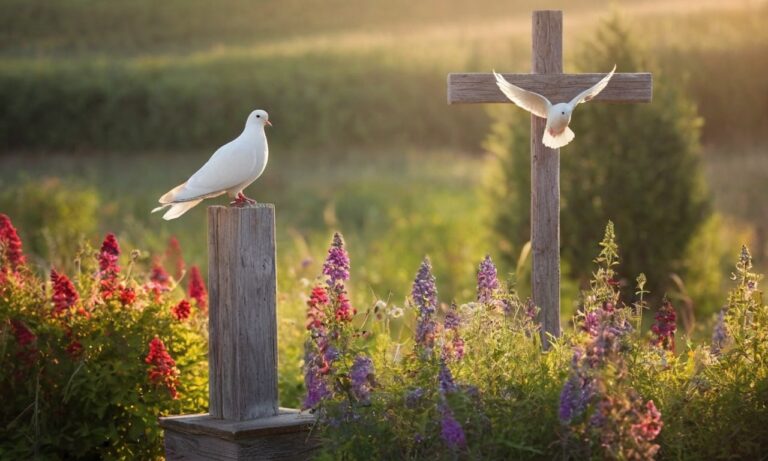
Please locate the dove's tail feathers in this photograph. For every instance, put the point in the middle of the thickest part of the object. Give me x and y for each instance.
(556, 142)
(170, 196)
(177, 209)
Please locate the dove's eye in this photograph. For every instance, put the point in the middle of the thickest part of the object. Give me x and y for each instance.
(259, 116)
(561, 112)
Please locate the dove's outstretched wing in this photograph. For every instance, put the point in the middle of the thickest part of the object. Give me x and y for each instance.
(588, 94)
(534, 103)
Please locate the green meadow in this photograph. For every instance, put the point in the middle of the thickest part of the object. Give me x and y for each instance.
(106, 105)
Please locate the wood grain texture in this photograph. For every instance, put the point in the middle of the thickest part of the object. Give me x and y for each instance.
(547, 47)
(474, 88)
(242, 317)
(286, 436)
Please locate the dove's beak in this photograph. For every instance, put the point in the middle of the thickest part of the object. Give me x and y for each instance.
(269, 123)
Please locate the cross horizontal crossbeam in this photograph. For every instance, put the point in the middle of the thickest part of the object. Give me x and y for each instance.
(470, 88)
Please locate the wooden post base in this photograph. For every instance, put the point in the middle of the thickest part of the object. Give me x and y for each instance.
(285, 436)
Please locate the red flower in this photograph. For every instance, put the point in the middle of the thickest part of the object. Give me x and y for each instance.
(25, 339)
(650, 423)
(159, 280)
(127, 295)
(10, 245)
(24, 335)
(64, 293)
(344, 311)
(74, 349)
(162, 367)
(174, 255)
(316, 303)
(197, 289)
(108, 267)
(664, 327)
(181, 310)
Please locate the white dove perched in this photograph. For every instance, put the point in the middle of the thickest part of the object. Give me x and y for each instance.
(232, 168)
(556, 134)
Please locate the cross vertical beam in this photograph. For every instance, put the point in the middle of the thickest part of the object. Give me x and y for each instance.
(547, 58)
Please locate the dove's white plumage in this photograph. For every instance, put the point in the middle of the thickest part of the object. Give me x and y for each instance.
(556, 133)
(232, 168)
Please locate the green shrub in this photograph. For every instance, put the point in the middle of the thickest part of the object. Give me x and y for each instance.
(636, 165)
(89, 364)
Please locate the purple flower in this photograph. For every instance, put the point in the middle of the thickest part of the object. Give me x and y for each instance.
(487, 281)
(452, 318)
(425, 331)
(720, 333)
(413, 397)
(424, 292)
(424, 295)
(361, 378)
(574, 398)
(336, 265)
(331, 354)
(451, 430)
(445, 379)
(317, 388)
(591, 322)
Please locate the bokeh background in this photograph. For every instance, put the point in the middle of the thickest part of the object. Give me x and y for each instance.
(106, 105)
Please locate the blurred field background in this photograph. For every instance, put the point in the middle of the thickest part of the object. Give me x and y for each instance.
(106, 105)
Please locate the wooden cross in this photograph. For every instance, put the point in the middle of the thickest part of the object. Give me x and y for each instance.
(547, 79)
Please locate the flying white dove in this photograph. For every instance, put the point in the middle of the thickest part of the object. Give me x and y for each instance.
(232, 168)
(556, 134)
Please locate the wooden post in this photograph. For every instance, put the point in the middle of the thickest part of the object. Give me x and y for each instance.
(245, 421)
(243, 319)
(547, 52)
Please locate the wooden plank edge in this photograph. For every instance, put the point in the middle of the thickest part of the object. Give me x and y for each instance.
(288, 421)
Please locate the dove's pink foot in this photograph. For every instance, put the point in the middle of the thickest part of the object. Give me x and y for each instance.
(241, 200)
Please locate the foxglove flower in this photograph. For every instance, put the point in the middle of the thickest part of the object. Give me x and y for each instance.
(196, 289)
(64, 293)
(108, 267)
(452, 319)
(181, 310)
(11, 254)
(162, 368)
(25, 339)
(445, 379)
(650, 424)
(574, 398)
(413, 397)
(450, 429)
(361, 378)
(664, 327)
(316, 304)
(159, 280)
(344, 310)
(336, 266)
(314, 382)
(424, 291)
(23, 335)
(720, 333)
(487, 282)
(424, 296)
(591, 322)
(174, 255)
(127, 295)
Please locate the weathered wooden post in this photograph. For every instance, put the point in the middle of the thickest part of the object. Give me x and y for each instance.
(244, 419)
